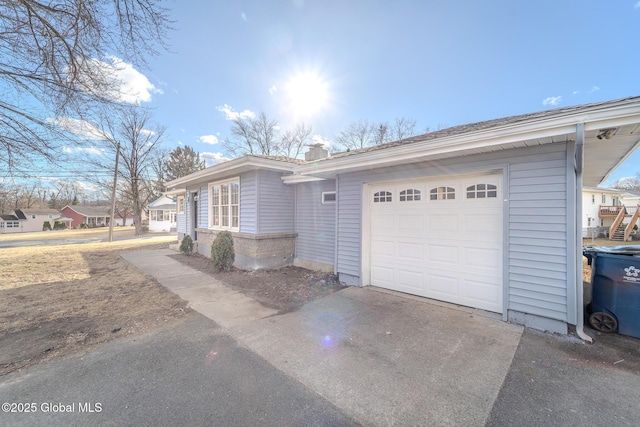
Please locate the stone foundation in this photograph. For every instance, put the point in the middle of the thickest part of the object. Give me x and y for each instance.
(253, 251)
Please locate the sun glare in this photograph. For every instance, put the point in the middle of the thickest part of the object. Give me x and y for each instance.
(307, 93)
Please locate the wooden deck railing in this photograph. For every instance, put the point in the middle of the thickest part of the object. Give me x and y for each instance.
(610, 210)
(635, 214)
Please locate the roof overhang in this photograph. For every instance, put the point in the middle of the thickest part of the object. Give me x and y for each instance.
(602, 156)
(230, 168)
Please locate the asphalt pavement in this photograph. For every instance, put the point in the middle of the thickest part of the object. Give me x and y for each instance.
(187, 374)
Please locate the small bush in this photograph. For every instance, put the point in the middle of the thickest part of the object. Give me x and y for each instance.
(186, 246)
(84, 225)
(46, 226)
(222, 253)
(59, 225)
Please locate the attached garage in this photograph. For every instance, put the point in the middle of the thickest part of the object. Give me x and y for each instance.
(440, 238)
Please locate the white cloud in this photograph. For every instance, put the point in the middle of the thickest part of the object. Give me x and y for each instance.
(594, 89)
(127, 84)
(208, 139)
(180, 143)
(575, 92)
(211, 159)
(90, 150)
(637, 5)
(147, 132)
(244, 17)
(552, 100)
(318, 139)
(80, 128)
(231, 114)
(273, 89)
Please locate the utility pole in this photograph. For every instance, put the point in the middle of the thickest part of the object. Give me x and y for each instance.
(113, 193)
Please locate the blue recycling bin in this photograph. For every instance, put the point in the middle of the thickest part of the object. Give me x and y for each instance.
(615, 281)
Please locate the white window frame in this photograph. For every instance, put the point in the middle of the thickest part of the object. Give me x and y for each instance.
(220, 206)
(604, 199)
(328, 202)
(34, 216)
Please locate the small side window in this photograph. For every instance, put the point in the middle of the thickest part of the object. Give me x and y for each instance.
(328, 197)
(410, 195)
(382, 197)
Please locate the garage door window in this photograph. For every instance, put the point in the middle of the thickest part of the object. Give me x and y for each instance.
(410, 195)
(381, 197)
(482, 191)
(442, 193)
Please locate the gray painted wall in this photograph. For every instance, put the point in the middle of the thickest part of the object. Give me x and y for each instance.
(275, 208)
(536, 216)
(249, 202)
(266, 204)
(315, 223)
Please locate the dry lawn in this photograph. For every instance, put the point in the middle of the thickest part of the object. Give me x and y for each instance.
(58, 299)
(93, 233)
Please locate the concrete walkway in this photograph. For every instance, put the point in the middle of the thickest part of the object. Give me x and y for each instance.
(380, 357)
(205, 294)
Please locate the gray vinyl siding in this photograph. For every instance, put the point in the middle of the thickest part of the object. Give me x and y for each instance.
(249, 202)
(315, 223)
(181, 222)
(536, 270)
(203, 206)
(275, 208)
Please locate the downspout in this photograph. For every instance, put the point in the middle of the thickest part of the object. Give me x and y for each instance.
(579, 165)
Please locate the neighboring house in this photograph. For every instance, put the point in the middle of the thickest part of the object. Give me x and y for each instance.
(26, 220)
(162, 215)
(93, 216)
(600, 206)
(485, 215)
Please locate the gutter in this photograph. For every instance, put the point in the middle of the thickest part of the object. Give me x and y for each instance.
(579, 165)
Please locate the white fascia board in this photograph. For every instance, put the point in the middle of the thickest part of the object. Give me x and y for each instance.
(564, 124)
(229, 166)
(178, 192)
(297, 179)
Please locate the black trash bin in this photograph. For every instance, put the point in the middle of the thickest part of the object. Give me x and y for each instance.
(615, 281)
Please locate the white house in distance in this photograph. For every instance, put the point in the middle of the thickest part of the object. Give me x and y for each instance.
(608, 213)
(162, 215)
(26, 220)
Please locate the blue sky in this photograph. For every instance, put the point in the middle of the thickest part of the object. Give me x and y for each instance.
(439, 62)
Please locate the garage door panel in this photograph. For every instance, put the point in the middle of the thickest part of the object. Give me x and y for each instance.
(447, 249)
(443, 254)
(383, 221)
(444, 286)
(410, 251)
(482, 258)
(443, 223)
(410, 223)
(384, 276)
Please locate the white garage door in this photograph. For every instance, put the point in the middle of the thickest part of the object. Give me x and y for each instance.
(440, 239)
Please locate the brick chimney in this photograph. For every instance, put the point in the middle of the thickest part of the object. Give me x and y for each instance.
(316, 152)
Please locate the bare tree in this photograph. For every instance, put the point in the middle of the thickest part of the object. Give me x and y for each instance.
(294, 140)
(631, 183)
(261, 135)
(363, 133)
(52, 63)
(357, 135)
(137, 140)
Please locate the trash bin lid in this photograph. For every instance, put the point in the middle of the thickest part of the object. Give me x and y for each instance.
(620, 250)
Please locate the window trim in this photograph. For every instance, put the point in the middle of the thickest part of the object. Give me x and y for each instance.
(210, 186)
(329, 202)
(410, 195)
